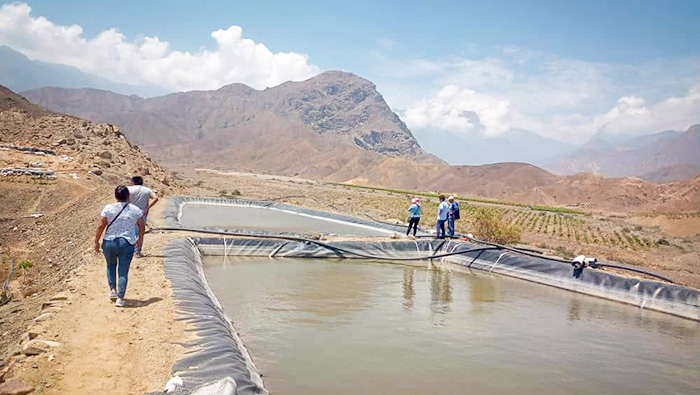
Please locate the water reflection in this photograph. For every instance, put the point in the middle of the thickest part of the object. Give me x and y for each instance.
(574, 310)
(408, 290)
(440, 291)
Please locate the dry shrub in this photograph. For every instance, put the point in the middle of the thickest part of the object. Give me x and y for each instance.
(489, 227)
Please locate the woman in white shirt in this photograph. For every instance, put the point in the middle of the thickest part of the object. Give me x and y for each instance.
(118, 221)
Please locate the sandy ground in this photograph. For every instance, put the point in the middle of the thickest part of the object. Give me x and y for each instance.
(686, 226)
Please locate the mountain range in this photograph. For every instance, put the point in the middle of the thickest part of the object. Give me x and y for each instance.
(335, 127)
(317, 127)
(19, 73)
(660, 157)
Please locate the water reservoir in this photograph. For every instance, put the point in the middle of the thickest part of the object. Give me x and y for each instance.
(269, 219)
(318, 326)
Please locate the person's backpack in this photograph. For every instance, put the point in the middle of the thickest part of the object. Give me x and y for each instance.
(456, 210)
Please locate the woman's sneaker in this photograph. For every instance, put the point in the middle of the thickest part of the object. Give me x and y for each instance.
(120, 302)
(113, 295)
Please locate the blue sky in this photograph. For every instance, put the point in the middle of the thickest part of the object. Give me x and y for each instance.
(609, 31)
(561, 69)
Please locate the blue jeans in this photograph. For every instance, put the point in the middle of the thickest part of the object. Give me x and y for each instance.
(450, 227)
(440, 227)
(118, 253)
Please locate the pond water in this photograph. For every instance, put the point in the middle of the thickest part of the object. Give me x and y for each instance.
(257, 218)
(344, 327)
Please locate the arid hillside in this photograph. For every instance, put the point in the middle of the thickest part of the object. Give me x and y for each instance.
(335, 106)
(336, 127)
(56, 174)
(10, 100)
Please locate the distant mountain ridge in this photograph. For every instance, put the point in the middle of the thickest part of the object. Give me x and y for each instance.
(332, 107)
(661, 157)
(19, 73)
(336, 127)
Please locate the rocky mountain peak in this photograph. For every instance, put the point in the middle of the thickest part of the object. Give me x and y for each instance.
(350, 107)
(235, 89)
(342, 109)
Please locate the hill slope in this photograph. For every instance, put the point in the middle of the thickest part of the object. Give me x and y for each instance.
(101, 148)
(11, 101)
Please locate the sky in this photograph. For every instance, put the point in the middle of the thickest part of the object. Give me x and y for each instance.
(564, 70)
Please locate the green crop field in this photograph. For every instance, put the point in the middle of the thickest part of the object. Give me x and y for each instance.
(556, 223)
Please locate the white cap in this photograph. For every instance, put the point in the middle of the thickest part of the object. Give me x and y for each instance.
(451, 198)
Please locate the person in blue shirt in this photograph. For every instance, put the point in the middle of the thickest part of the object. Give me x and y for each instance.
(413, 216)
(452, 215)
(443, 208)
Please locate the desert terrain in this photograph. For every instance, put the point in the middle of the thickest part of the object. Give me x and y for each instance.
(60, 333)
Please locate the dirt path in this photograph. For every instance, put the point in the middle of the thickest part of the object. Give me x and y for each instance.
(104, 349)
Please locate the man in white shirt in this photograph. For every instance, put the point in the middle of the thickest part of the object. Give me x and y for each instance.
(143, 198)
(443, 208)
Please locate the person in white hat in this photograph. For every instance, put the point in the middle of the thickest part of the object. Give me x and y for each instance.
(452, 215)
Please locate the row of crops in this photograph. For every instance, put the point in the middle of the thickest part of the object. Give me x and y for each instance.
(575, 229)
(564, 226)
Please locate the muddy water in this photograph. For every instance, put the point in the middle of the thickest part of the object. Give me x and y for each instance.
(255, 218)
(328, 327)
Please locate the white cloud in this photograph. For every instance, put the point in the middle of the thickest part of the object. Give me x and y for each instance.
(461, 110)
(631, 114)
(565, 99)
(150, 60)
(452, 109)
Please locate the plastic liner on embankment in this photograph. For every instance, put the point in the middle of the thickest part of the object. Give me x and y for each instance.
(220, 363)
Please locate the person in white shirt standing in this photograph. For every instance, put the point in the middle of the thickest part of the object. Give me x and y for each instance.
(443, 208)
(143, 198)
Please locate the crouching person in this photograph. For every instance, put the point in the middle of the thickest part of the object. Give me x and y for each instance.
(118, 221)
